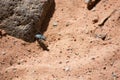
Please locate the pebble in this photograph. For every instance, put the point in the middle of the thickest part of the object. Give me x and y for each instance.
(114, 76)
(29, 50)
(67, 69)
(101, 36)
(95, 19)
(3, 53)
(87, 1)
(55, 24)
(67, 24)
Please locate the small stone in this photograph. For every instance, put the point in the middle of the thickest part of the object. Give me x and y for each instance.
(18, 63)
(14, 43)
(87, 1)
(3, 53)
(86, 31)
(94, 9)
(67, 69)
(74, 39)
(114, 76)
(14, 70)
(67, 24)
(95, 19)
(60, 51)
(93, 58)
(58, 38)
(101, 36)
(29, 50)
(76, 53)
(55, 24)
(104, 68)
(11, 62)
(67, 61)
(60, 62)
(24, 44)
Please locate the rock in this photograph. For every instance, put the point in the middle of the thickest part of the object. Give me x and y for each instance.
(23, 18)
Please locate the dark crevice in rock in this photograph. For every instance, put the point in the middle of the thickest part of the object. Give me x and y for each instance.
(47, 19)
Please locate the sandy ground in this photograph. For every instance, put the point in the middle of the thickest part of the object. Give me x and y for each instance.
(79, 49)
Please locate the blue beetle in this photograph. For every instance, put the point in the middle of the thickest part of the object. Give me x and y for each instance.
(40, 37)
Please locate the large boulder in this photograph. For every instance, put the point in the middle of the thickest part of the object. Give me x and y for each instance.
(23, 18)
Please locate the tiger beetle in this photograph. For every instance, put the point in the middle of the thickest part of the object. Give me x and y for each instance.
(40, 37)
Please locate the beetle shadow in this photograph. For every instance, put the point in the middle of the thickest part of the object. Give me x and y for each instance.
(43, 45)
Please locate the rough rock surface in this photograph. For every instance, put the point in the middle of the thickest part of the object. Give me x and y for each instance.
(23, 18)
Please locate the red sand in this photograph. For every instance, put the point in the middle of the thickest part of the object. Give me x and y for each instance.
(77, 51)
